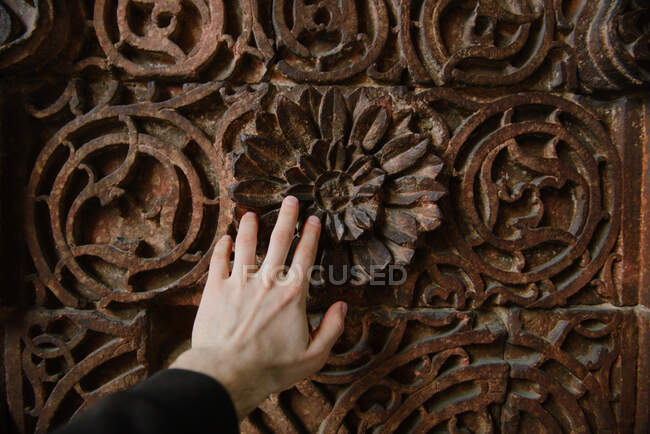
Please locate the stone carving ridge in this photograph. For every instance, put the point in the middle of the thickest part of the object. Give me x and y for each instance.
(613, 44)
(35, 33)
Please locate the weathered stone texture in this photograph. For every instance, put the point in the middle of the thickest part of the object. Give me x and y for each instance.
(497, 149)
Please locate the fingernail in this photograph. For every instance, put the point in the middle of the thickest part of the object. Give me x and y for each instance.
(313, 220)
(225, 238)
(249, 215)
(291, 200)
(344, 308)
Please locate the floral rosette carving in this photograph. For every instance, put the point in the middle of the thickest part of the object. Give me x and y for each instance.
(353, 162)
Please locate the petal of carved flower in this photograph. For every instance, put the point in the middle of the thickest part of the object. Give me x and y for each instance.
(369, 207)
(294, 175)
(335, 227)
(354, 230)
(318, 149)
(370, 253)
(402, 255)
(300, 191)
(310, 167)
(430, 166)
(370, 126)
(399, 226)
(269, 154)
(417, 183)
(245, 167)
(401, 123)
(361, 218)
(333, 115)
(310, 100)
(402, 152)
(336, 156)
(296, 124)
(408, 189)
(427, 215)
(370, 184)
(366, 192)
(360, 167)
(257, 193)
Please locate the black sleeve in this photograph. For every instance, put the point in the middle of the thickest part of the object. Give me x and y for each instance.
(170, 401)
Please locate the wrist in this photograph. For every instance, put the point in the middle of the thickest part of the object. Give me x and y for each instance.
(245, 397)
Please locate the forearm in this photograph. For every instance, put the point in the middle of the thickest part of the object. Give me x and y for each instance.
(171, 401)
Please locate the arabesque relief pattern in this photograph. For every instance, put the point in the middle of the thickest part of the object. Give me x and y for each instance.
(495, 150)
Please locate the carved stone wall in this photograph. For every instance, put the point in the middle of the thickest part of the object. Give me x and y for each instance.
(497, 149)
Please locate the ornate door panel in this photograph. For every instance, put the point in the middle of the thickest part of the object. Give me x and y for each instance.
(496, 151)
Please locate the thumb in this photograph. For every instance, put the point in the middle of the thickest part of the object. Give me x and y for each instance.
(328, 332)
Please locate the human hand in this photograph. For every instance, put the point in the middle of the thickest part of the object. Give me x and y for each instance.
(250, 332)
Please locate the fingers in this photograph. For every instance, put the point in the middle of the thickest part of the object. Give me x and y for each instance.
(327, 332)
(245, 245)
(220, 260)
(282, 234)
(305, 254)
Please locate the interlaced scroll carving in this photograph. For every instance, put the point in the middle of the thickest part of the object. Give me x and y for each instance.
(567, 371)
(532, 371)
(58, 362)
(352, 160)
(484, 42)
(399, 383)
(130, 194)
(479, 42)
(179, 39)
(154, 37)
(535, 203)
(130, 145)
(329, 40)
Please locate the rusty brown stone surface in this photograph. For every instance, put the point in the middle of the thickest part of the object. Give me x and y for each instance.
(64, 359)
(497, 149)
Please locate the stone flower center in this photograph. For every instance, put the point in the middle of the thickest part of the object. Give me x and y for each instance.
(333, 190)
